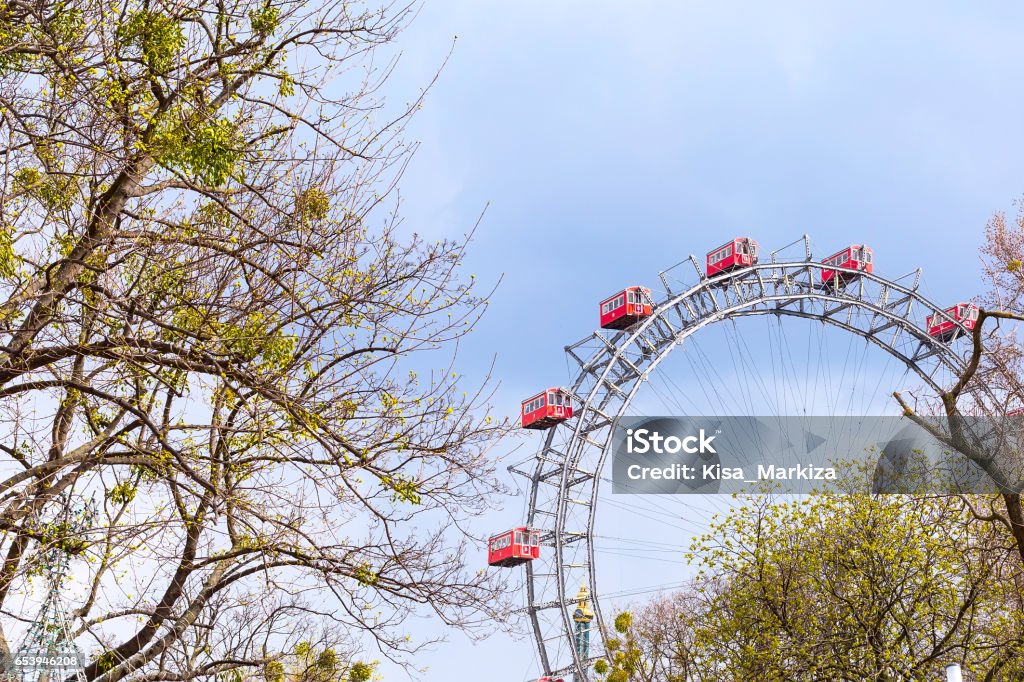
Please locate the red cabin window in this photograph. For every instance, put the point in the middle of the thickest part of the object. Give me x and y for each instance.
(626, 308)
(967, 312)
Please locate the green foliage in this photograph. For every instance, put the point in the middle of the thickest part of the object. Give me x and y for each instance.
(11, 35)
(312, 205)
(157, 468)
(158, 38)
(250, 339)
(66, 26)
(61, 535)
(360, 672)
(273, 671)
(625, 659)
(365, 576)
(286, 84)
(106, 661)
(851, 587)
(311, 664)
(61, 31)
(231, 676)
(122, 493)
(9, 260)
(205, 149)
(26, 178)
(404, 489)
(837, 587)
(265, 19)
(327, 662)
(54, 192)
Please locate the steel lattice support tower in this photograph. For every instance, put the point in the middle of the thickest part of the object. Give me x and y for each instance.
(50, 637)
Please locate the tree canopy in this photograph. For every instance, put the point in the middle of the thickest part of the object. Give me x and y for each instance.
(852, 587)
(214, 324)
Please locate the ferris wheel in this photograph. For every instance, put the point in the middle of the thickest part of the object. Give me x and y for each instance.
(638, 331)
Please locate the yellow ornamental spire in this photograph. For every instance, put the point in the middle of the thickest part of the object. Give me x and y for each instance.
(583, 612)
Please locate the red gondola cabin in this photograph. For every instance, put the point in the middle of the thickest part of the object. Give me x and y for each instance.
(513, 547)
(852, 260)
(739, 253)
(948, 327)
(546, 409)
(626, 308)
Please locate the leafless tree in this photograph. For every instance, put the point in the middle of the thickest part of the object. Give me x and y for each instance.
(992, 385)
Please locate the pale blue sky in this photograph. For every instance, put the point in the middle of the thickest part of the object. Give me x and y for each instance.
(613, 139)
